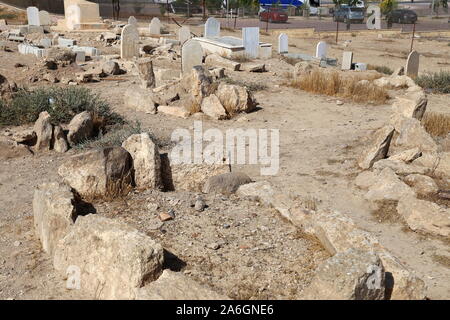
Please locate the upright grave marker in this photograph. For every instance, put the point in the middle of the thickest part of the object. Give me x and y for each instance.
(132, 20)
(129, 46)
(33, 16)
(191, 55)
(321, 50)
(44, 18)
(155, 26)
(374, 17)
(250, 40)
(412, 64)
(347, 59)
(184, 34)
(283, 43)
(212, 28)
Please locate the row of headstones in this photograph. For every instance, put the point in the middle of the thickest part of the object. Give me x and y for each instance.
(37, 18)
(155, 24)
(283, 46)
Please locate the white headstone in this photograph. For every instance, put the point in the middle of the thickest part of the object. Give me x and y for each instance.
(321, 50)
(184, 34)
(347, 60)
(374, 17)
(212, 28)
(132, 20)
(191, 55)
(44, 18)
(129, 46)
(155, 26)
(412, 64)
(283, 43)
(250, 40)
(33, 16)
(73, 16)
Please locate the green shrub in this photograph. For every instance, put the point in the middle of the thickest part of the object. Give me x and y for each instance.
(61, 103)
(380, 69)
(437, 81)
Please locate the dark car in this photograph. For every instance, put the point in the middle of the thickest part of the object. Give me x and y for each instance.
(402, 16)
(273, 15)
(349, 14)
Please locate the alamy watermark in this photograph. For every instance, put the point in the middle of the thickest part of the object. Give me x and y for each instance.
(230, 148)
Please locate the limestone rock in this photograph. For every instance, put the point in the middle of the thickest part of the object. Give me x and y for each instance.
(425, 216)
(10, 149)
(254, 67)
(140, 99)
(175, 286)
(378, 148)
(114, 259)
(412, 105)
(215, 60)
(212, 107)
(302, 68)
(146, 160)
(395, 81)
(421, 184)
(399, 167)
(111, 68)
(180, 112)
(146, 74)
(104, 171)
(235, 99)
(198, 83)
(81, 128)
(349, 275)
(54, 213)
(407, 156)
(60, 140)
(366, 179)
(44, 131)
(226, 183)
(388, 187)
(412, 134)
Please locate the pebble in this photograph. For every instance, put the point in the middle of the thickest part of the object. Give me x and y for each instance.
(17, 243)
(199, 205)
(214, 246)
(165, 216)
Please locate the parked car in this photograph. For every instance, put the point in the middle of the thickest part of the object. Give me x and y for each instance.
(402, 16)
(349, 14)
(273, 15)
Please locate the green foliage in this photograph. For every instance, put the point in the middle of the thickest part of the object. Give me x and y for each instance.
(387, 6)
(437, 81)
(61, 103)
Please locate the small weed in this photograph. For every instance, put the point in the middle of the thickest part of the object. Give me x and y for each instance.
(438, 82)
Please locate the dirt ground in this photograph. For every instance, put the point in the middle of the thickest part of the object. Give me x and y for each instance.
(238, 247)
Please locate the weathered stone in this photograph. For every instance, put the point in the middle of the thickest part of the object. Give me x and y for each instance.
(212, 107)
(60, 144)
(395, 82)
(349, 275)
(10, 149)
(54, 213)
(140, 99)
(412, 105)
(146, 160)
(226, 183)
(399, 167)
(253, 67)
(235, 99)
(388, 187)
(421, 184)
(302, 68)
(180, 112)
(191, 55)
(111, 67)
(175, 286)
(114, 259)
(366, 179)
(44, 131)
(198, 83)
(217, 61)
(378, 148)
(407, 156)
(425, 216)
(146, 74)
(81, 128)
(129, 45)
(412, 64)
(26, 136)
(98, 172)
(412, 134)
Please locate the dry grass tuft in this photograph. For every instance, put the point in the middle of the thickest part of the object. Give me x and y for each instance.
(333, 84)
(241, 59)
(192, 106)
(387, 212)
(443, 260)
(436, 124)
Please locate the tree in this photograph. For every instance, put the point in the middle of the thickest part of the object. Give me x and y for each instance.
(387, 6)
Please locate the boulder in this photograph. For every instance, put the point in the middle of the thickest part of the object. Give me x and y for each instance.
(226, 183)
(180, 288)
(198, 83)
(253, 67)
(399, 167)
(395, 81)
(425, 216)
(44, 131)
(54, 213)
(81, 128)
(140, 99)
(24, 136)
(438, 163)
(145, 71)
(235, 99)
(407, 156)
(421, 184)
(175, 111)
(388, 187)
(412, 134)
(215, 60)
(412, 105)
(350, 275)
(146, 160)
(60, 144)
(113, 258)
(212, 107)
(378, 148)
(104, 171)
(111, 68)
